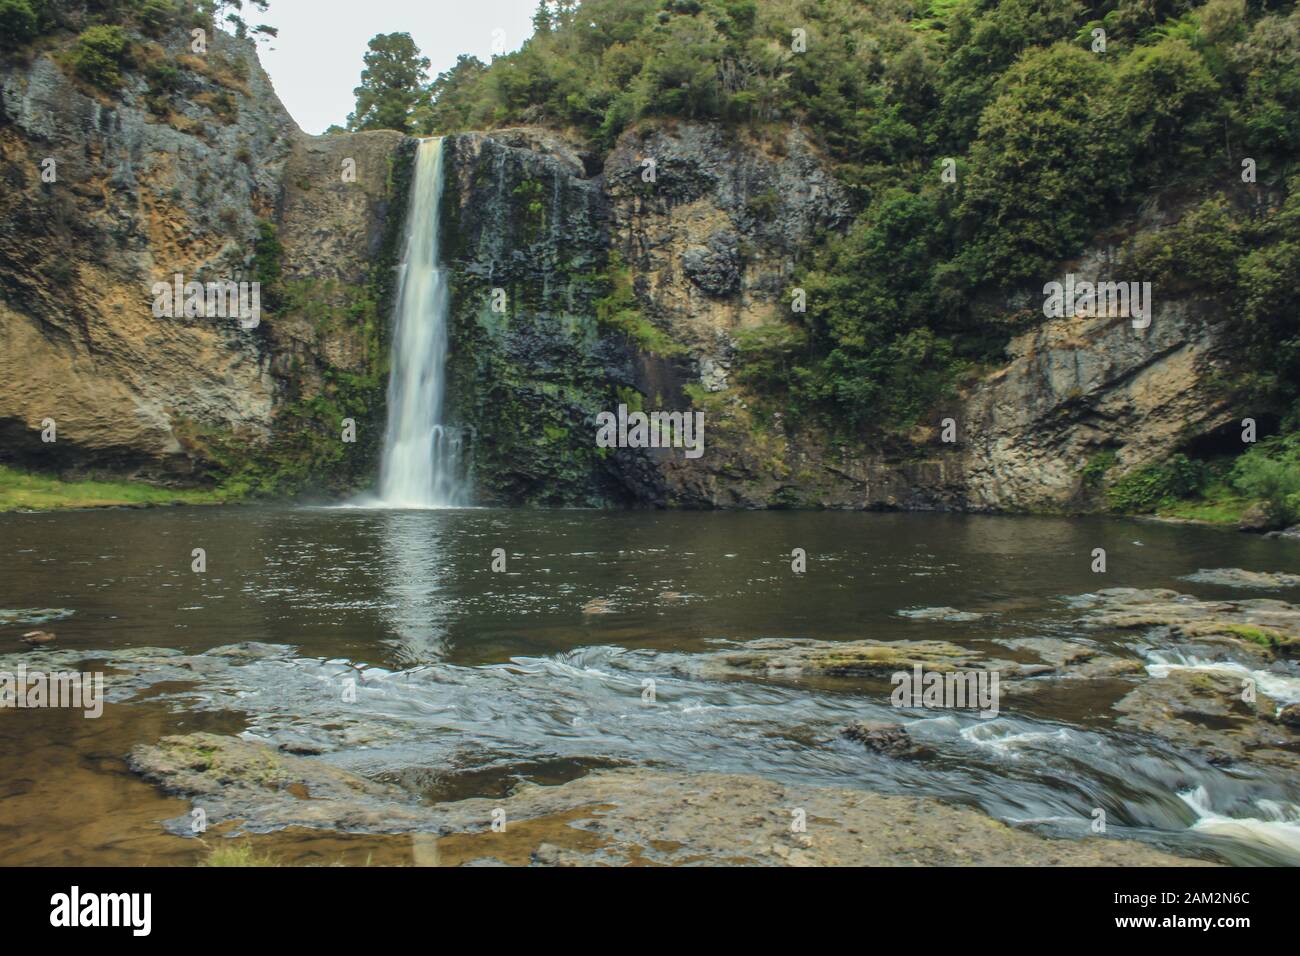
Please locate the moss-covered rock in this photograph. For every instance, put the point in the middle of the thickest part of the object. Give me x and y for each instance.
(525, 237)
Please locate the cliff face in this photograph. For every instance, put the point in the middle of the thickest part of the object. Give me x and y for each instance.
(525, 226)
(1077, 387)
(580, 282)
(705, 239)
(211, 180)
(137, 198)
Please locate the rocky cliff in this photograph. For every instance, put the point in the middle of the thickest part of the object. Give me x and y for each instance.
(703, 246)
(205, 175)
(580, 282)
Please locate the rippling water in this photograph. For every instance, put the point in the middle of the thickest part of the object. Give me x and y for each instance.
(471, 679)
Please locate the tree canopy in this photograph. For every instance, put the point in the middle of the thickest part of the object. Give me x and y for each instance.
(392, 85)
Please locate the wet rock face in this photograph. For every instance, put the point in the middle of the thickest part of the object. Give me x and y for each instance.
(680, 260)
(1204, 712)
(526, 238)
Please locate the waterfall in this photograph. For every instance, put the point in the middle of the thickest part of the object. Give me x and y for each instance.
(420, 467)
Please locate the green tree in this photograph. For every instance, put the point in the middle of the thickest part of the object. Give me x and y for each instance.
(541, 18)
(392, 85)
(1048, 159)
(984, 39)
(1271, 58)
(18, 22)
(1169, 108)
(447, 108)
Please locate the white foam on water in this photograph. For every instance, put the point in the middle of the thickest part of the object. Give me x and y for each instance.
(1004, 740)
(1277, 827)
(1281, 687)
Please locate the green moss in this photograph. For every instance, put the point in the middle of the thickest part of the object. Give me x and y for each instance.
(531, 192)
(630, 397)
(1274, 641)
(620, 311)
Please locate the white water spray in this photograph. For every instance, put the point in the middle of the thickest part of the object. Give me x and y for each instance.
(421, 459)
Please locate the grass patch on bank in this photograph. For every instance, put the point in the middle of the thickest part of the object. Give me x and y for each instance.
(239, 855)
(1217, 506)
(21, 490)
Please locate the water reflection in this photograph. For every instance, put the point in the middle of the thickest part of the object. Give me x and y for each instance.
(418, 609)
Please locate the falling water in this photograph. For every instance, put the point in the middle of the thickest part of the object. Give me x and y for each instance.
(421, 458)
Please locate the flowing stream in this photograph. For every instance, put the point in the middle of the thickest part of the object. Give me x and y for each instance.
(422, 456)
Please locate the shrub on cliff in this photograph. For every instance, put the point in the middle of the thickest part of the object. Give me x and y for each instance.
(155, 16)
(99, 56)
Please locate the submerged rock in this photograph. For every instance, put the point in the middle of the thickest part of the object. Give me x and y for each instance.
(1238, 578)
(37, 615)
(37, 638)
(892, 740)
(235, 779)
(940, 614)
(1064, 658)
(622, 816)
(798, 657)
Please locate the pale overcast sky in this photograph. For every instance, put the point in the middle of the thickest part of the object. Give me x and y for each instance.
(315, 63)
